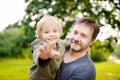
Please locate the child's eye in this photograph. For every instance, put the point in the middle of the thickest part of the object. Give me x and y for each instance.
(55, 31)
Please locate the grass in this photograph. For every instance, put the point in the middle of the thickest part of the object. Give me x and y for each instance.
(14, 69)
(18, 69)
(107, 71)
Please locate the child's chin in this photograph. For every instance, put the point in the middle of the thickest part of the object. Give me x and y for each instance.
(53, 42)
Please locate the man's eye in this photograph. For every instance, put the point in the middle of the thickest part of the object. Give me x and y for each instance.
(46, 32)
(84, 36)
(75, 32)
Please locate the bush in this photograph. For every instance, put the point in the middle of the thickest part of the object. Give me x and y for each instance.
(10, 43)
(117, 53)
(100, 51)
(98, 56)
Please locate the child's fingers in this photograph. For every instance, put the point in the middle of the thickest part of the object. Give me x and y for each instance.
(43, 54)
(42, 49)
(55, 54)
(48, 46)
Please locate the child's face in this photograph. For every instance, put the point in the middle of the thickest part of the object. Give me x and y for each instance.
(50, 33)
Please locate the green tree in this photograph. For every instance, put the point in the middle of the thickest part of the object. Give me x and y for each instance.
(100, 51)
(11, 43)
(105, 12)
(69, 9)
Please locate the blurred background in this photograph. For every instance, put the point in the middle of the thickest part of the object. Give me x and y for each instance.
(18, 19)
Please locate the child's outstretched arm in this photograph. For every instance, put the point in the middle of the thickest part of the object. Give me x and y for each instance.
(41, 52)
(47, 52)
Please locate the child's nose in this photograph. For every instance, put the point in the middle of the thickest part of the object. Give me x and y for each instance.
(51, 34)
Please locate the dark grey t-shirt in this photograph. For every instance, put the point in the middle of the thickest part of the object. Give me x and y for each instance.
(80, 69)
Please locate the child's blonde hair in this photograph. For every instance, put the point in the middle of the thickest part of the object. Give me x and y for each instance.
(45, 19)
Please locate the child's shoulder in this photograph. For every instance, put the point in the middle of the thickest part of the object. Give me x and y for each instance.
(36, 41)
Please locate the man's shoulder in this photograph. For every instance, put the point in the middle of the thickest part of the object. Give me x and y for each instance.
(85, 61)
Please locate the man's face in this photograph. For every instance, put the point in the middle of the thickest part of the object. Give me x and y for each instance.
(80, 37)
(50, 33)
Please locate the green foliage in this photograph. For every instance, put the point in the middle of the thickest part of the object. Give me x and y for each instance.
(101, 50)
(10, 41)
(117, 50)
(70, 8)
(98, 56)
(29, 34)
(23, 33)
(14, 39)
(117, 54)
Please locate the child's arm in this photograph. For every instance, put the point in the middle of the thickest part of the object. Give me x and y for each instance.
(42, 53)
(35, 45)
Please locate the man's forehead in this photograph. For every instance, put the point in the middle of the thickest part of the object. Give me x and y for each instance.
(82, 28)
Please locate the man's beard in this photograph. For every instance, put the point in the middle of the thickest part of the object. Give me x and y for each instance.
(75, 47)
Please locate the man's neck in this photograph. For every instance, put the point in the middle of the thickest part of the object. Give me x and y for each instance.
(72, 55)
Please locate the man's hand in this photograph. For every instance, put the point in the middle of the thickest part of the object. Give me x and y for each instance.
(46, 51)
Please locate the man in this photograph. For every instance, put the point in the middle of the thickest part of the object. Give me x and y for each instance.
(76, 64)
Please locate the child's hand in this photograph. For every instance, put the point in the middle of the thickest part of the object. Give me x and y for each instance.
(46, 52)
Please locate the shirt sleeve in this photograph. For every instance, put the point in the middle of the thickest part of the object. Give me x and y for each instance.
(35, 45)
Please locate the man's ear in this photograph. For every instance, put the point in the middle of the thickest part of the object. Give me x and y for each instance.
(92, 41)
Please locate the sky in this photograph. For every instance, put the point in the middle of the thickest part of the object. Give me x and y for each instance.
(10, 12)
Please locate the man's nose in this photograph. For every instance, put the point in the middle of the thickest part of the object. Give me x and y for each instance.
(77, 38)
